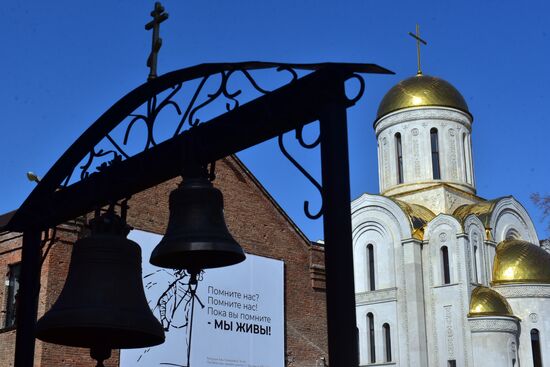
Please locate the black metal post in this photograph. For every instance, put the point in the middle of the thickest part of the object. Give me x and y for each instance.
(341, 322)
(27, 299)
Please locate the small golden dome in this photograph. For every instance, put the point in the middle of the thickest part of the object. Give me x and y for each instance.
(488, 302)
(520, 262)
(421, 90)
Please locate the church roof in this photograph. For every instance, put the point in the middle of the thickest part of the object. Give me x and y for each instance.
(483, 210)
(421, 90)
(488, 302)
(519, 261)
(419, 217)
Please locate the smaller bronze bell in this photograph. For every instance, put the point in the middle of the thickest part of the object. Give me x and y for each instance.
(102, 305)
(197, 237)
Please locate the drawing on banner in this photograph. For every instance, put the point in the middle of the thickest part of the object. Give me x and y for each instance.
(229, 316)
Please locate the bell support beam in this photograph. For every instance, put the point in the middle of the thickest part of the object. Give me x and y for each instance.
(266, 117)
(340, 289)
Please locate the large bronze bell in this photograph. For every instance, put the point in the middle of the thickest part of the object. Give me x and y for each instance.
(196, 237)
(102, 305)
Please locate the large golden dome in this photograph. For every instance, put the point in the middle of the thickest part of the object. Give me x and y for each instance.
(520, 262)
(421, 90)
(488, 302)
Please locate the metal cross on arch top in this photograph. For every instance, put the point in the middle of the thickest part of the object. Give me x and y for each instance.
(159, 16)
(418, 41)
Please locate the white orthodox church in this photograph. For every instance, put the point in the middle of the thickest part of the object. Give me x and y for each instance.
(443, 277)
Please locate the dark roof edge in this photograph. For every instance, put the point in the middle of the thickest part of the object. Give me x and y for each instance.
(5, 219)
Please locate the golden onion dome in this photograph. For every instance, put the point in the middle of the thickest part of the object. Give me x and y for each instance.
(421, 90)
(519, 261)
(488, 302)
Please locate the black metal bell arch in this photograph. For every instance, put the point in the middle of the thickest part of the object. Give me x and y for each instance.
(196, 237)
(103, 305)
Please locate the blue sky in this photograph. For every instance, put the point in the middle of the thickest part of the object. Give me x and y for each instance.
(64, 63)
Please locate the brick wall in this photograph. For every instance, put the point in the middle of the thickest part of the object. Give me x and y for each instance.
(9, 254)
(255, 221)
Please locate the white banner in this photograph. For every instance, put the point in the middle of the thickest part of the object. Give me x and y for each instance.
(240, 325)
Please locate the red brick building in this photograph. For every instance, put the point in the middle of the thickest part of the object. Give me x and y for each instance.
(256, 222)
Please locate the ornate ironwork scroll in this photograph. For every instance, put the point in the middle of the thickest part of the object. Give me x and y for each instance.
(300, 138)
(162, 111)
(186, 104)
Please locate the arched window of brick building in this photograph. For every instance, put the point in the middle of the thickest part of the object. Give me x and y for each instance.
(12, 289)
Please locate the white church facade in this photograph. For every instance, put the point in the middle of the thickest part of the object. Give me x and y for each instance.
(443, 277)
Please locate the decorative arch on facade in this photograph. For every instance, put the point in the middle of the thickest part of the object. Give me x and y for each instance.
(394, 213)
(373, 240)
(442, 233)
(478, 253)
(379, 222)
(512, 234)
(509, 214)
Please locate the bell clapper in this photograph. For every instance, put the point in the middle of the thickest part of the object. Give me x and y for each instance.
(100, 354)
(193, 280)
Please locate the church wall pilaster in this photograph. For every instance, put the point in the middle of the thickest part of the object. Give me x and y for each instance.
(447, 297)
(414, 298)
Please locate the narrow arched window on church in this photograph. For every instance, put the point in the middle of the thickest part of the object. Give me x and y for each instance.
(435, 154)
(372, 350)
(513, 353)
(387, 342)
(466, 158)
(535, 347)
(446, 274)
(370, 266)
(470, 167)
(476, 276)
(399, 153)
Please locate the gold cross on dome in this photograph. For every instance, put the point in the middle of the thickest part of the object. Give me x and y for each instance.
(418, 41)
(159, 16)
